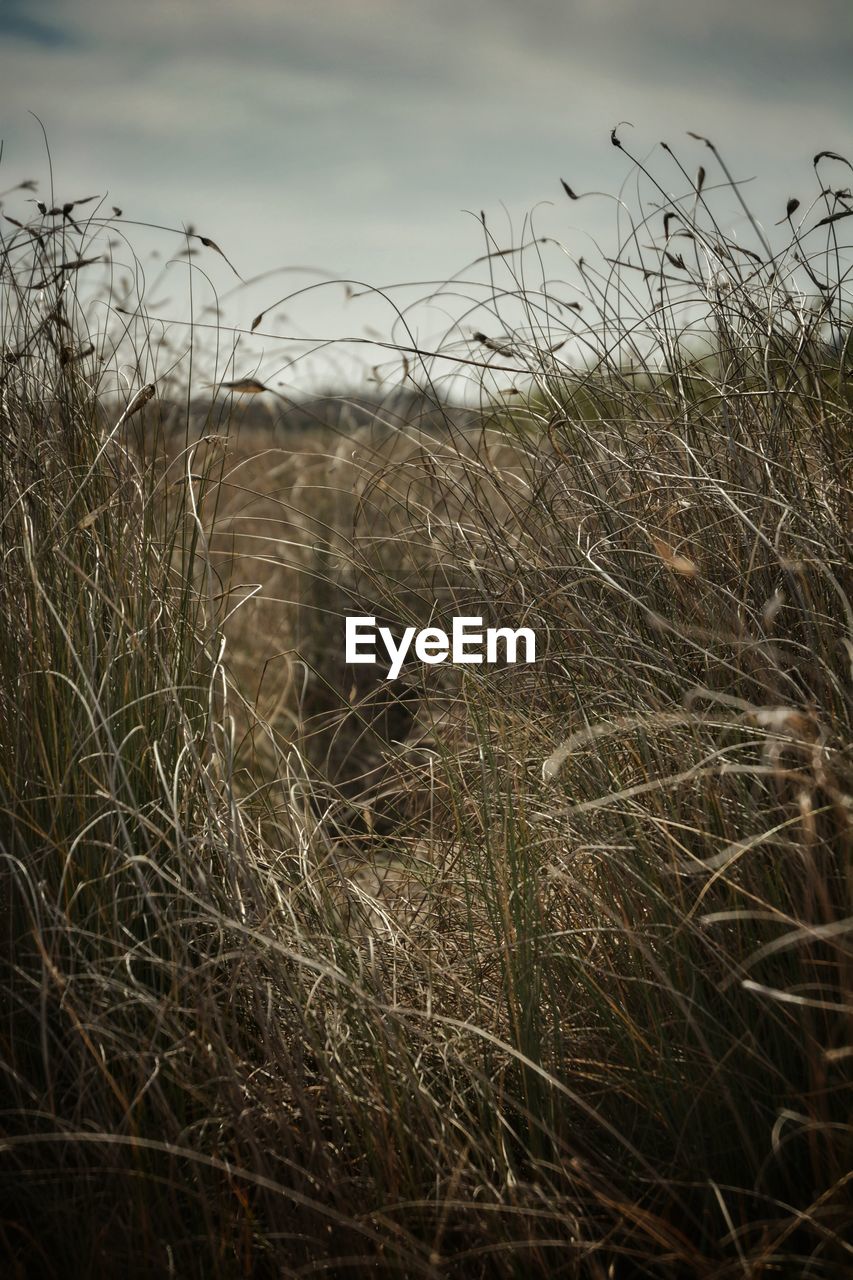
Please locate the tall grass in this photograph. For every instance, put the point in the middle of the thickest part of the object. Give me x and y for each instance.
(523, 971)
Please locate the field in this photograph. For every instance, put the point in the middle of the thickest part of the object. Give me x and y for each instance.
(533, 970)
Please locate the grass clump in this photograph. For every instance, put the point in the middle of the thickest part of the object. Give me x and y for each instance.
(529, 971)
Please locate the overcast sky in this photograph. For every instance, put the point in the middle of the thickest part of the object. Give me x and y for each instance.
(354, 134)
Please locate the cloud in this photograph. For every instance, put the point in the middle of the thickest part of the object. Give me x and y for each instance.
(356, 134)
(19, 26)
